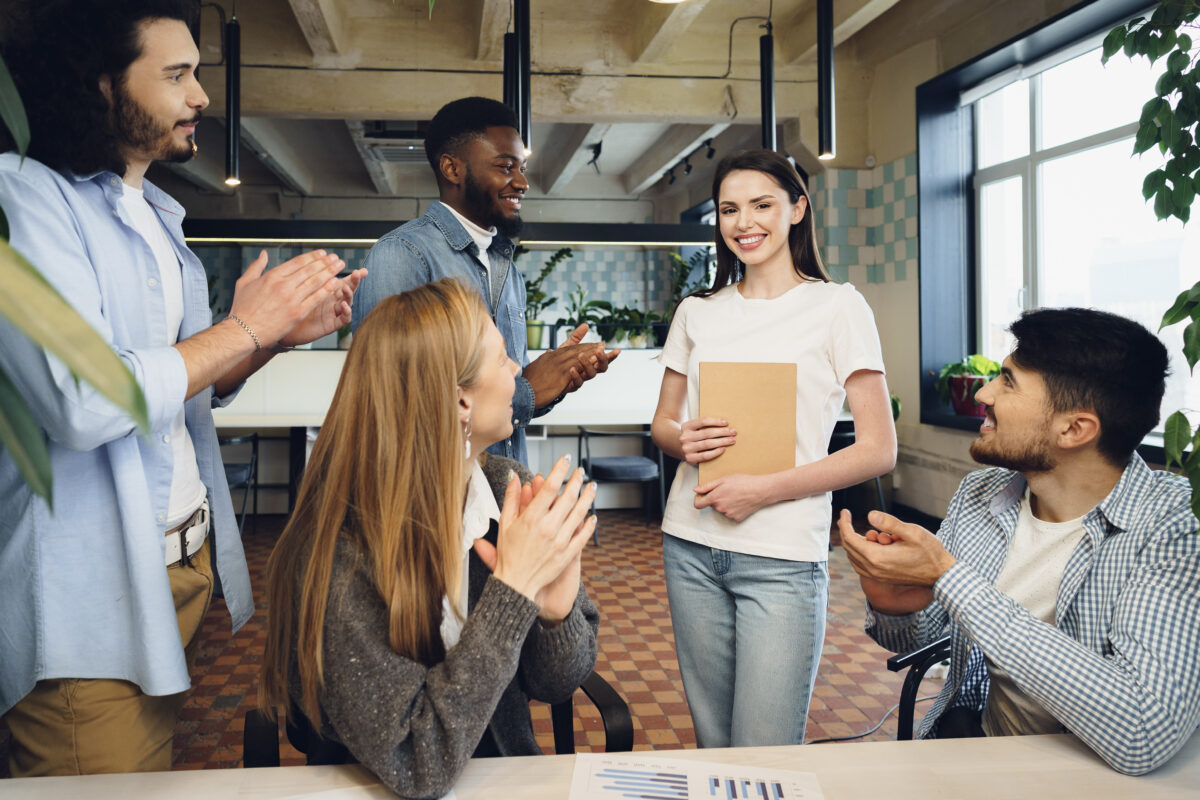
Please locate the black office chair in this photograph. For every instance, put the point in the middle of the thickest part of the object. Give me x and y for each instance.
(620, 469)
(260, 738)
(918, 662)
(243, 474)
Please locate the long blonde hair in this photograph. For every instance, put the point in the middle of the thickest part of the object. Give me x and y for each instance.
(387, 472)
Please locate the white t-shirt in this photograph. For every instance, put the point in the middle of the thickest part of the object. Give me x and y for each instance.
(1032, 572)
(828, 331)
(478, 512)
(187, 490)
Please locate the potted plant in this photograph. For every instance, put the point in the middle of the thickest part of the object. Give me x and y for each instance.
(536, 300)
(959, 380)
(580, 310)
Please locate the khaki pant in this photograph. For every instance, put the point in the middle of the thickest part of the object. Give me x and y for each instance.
(71, 726)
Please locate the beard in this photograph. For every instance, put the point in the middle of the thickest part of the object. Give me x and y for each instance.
(481, 206)
(137, 130)
(1032, 456)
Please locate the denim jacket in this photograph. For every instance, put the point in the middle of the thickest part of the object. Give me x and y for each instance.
(437, 246)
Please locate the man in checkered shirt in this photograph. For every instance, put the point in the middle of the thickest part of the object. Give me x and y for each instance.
(1066, 575)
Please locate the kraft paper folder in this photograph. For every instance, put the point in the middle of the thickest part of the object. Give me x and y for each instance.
(759, 400)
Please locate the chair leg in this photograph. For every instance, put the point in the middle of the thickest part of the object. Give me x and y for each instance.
(562, 720)
(260, 740)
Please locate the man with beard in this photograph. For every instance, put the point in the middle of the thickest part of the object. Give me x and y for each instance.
(1066, 576)
(104, 593)
(478, 159)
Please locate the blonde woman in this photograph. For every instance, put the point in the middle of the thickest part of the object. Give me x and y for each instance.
(411, 619)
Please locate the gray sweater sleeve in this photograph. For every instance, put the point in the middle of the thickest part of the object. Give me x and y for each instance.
(415, 726)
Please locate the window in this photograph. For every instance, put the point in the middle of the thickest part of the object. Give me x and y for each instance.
(1060, 219)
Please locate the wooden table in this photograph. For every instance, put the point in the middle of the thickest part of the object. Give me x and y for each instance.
(1017, 767)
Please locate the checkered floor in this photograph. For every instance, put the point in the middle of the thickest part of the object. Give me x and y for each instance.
(637, 655)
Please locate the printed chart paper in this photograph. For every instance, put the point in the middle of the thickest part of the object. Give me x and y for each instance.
(605, 776)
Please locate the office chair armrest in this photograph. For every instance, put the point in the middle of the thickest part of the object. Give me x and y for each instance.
(918, 663)
(260, 740)
(614, 712)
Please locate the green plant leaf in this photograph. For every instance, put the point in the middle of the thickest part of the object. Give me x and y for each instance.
(1152, 182)
(1194, 481)
(12, 112)
(31, 304)
(1112, 43)
(21, 436)
(1177, 436)
(1187, 300)
(1191, 344)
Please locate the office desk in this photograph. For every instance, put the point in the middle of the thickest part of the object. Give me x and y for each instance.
(1014, 767)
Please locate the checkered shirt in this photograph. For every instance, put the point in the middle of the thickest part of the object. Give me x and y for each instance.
(1120, 668)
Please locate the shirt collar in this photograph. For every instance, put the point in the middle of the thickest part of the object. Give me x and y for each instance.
(480, 509)
(457, 236)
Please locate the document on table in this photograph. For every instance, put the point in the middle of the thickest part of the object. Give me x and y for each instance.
(376, 792)
(759, 400)
(606, 776)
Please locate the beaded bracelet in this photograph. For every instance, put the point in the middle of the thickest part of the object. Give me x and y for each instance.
(245, 327)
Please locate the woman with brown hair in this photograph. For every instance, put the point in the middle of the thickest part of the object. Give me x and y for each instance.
(410, 619)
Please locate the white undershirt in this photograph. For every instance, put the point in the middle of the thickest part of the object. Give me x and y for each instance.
(482, 237)
(187, 490)
(478, 512)
(1032, 572)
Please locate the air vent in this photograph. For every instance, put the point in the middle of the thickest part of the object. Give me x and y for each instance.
(395, 142)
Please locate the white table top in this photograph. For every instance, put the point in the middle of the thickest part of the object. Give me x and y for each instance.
(1017, 767)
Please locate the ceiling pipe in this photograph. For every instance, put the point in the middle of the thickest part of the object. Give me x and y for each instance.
(826, 126)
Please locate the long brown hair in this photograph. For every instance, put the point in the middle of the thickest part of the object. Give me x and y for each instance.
(387, 473)
(802, 237)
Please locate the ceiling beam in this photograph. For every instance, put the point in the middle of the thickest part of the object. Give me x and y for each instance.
(323, 23)
(656, 27)
(375, 168)
(276, 150)
(798, 39)
(493, 22)
(666, 152)
(562, 166)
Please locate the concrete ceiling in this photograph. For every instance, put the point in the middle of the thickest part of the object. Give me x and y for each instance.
(649, 83)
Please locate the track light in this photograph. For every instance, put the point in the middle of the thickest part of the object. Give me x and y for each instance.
(687, 167)
(711, 151)
(670, 176)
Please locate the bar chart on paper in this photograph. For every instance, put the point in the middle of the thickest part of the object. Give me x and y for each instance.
(600, 776)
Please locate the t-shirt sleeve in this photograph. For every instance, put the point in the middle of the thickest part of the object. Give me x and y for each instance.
(855, 340)
(678, 349)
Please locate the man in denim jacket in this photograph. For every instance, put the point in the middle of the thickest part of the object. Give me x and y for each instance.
(479, 160)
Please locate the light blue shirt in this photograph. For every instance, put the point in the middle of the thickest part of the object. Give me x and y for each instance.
(1120, 666)
(437, 246)
(84, 589)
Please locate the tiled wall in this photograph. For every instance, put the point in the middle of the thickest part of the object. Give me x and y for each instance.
(867, 221)
(624, 276)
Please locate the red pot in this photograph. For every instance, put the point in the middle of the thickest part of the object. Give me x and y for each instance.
(962, 395)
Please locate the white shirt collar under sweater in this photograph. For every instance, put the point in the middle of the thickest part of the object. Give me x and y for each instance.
(481, 236)
(478, 512)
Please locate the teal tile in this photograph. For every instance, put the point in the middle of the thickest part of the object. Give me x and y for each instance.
(889, 172)
(901, 271)
(910, 164)
(849, 254)
(889, 214)
(849, 217)
(848, 179)
(875, 197)
(839, 198)
(838, 272)
(875, 273)
(910, 206)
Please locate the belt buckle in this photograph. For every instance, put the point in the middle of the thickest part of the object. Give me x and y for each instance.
(184, 559)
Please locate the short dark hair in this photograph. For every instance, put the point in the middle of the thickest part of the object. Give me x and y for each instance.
(802, 237)
(460, 121)
(1097, 361)
(57, 50)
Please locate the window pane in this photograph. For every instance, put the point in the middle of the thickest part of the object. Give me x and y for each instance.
(1002, 125)
(1083, 96)
(1001, 264)
(1102, 247)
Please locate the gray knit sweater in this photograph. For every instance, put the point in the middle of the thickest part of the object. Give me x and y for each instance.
(416, 726)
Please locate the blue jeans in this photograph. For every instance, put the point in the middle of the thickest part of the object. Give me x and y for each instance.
(748, 633)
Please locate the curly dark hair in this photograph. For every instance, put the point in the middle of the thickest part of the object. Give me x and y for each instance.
(460, 121)
(57, 50)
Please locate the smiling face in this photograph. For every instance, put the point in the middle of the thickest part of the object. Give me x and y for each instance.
(755, 216)
(493, 180)
(1016, 433)
(488, 401)
(157, 102)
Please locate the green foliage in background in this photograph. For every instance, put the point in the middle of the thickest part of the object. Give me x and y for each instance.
(1168, 120)
(33, 306)
(975, 364)
(536, 300)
